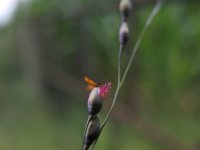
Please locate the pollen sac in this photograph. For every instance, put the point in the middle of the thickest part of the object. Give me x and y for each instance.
(92, 132)
(125, 8)
(123, 34)
(95, 102)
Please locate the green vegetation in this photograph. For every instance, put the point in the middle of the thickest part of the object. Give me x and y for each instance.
(51, 45)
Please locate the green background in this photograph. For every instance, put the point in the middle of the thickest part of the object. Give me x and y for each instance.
(50, 45)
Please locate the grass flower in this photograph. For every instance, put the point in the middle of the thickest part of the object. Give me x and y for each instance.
(97, 94)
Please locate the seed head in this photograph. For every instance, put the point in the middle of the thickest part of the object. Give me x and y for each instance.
(94, 101)
(92, 132)
(125, 8)
(123, 34)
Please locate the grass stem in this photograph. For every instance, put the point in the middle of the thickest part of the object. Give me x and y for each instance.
(127, 68)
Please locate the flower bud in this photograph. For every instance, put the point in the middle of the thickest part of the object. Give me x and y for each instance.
(94, 102)
(92, 132)
(123, 34)
(125, 8)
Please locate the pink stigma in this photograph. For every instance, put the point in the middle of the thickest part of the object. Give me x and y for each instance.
(105, 89)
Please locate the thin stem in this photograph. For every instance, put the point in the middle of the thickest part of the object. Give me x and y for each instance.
(119, 63)
(120, 82)
(108, 114)
(112, 106)
(148, 23)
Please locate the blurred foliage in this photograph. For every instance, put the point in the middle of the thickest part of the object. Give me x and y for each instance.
(51, 45)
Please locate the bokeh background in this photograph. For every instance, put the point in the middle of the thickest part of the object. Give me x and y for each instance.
(46, 47)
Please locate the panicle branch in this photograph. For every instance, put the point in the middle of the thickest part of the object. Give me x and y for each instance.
(93, 128)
